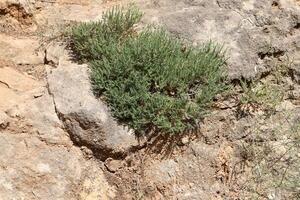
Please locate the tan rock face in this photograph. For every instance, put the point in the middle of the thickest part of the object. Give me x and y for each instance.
(37, 159)
(20, 83)
(21, 51)
(252, 31)
(8, 97)
(38, 171)
(39, 112)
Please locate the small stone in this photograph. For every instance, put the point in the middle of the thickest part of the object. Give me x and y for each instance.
(272, 195)
(13, 112)
(185, 140)
(54, 54)
(296, 93)
(87, 152)
(4, 120)
(43, 168)
(113, 165)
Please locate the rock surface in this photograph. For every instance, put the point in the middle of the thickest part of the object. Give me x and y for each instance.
(187, 169)
(14, 50)
(87, 120)
(47, 108)
(38, 160)
(254, 32)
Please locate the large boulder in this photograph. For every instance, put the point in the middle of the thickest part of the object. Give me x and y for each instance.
(87, 119)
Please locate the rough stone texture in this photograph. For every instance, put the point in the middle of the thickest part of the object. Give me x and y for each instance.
(113, 165)
(38, 160)
(4, 120)
(87, 119)
(20, 83)
(14, 50)
(55, 54)
(254, 32)
(185, 177)
(17, 15)
(40, 172)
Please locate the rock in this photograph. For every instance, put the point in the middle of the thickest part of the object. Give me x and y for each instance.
(185, 140)
(13, 50)
(38, 159)
(55, 54)
(87, 120)
(113, 165)
(188, 176)
(95, 186)
(87, 152)
(30, 169)
(13, 90)
(42, 116)
(4, 120)
(7, 98)
(252, 32)
(20, 82)
(27, 5)
(16, 15)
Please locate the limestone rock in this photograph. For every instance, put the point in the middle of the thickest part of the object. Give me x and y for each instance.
(87, 119)
(113, 165)
(39, 161)
(252, 32)
(20, 82)
(38, 171)
(13, 50)
(55, 54)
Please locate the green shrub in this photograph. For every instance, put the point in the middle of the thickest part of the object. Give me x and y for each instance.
(151, 81)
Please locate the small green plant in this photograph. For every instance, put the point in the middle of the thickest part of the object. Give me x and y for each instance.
(262, 95)
(97, 40)
(151, 81)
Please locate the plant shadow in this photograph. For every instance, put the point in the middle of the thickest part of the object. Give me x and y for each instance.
(164, 145)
